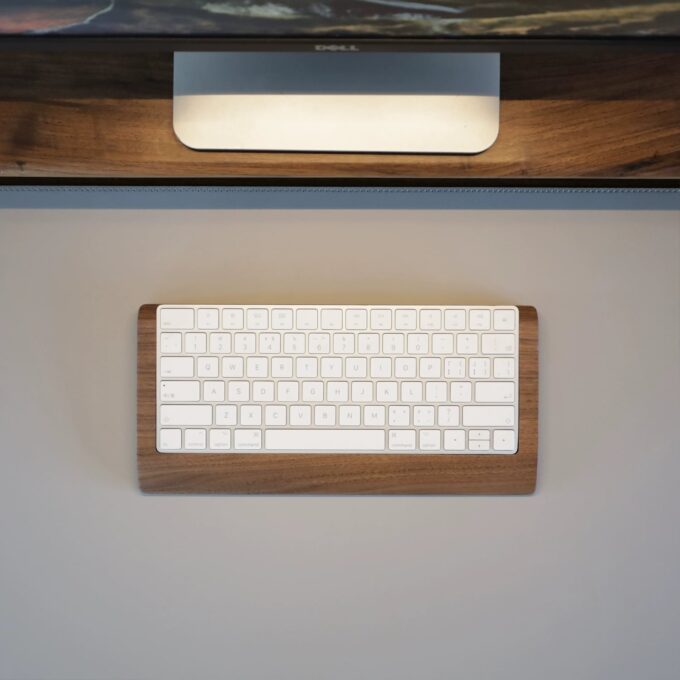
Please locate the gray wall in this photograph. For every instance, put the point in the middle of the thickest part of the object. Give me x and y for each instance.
(579, 580)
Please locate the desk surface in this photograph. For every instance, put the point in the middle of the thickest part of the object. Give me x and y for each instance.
(604, 116)
(577, 581)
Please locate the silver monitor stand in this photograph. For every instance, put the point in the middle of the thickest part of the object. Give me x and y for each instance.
(324, 101)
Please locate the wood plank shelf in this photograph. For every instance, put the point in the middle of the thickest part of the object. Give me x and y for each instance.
(587, 116)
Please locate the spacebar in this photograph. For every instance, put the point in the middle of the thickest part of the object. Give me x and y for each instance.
(324, 440)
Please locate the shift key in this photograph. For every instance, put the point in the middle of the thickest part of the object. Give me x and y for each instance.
(488, 416)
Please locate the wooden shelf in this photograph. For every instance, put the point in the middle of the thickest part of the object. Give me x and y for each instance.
(97, 115)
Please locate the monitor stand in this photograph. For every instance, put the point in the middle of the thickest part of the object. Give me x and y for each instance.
(320, 101)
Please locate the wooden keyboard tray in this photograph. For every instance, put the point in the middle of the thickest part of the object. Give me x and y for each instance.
(336, 473)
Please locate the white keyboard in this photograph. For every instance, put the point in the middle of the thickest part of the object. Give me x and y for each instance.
(337, 379)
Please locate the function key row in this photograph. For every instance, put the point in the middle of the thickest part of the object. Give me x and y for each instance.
(333, 318)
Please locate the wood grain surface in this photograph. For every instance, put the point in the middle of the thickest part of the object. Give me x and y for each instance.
(587, 115)
(337, 473)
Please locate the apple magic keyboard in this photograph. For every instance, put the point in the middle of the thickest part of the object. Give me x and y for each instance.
(337, 379)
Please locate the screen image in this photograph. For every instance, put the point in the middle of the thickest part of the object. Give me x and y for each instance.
(343, 18)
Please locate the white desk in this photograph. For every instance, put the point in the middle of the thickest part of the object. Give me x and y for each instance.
(576, 581)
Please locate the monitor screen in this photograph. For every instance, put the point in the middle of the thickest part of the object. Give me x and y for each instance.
(353, 19)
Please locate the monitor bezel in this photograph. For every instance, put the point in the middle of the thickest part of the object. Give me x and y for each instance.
(211, 43)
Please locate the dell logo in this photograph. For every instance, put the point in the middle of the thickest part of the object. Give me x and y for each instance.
(336, 48)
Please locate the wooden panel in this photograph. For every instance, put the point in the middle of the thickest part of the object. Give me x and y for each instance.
(590, 115)
(337, 473)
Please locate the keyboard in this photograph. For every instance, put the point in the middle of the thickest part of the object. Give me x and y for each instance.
(337, 379)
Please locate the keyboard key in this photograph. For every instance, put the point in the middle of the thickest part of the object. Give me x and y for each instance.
(454, 440)
(488, 416)
(270, 343)
(175, 414)
(331, 319)
(171, 343)
(177, 319)
(504, 440)
(431, 367)
(362, 391)
(257, 367)
(307, 319)
(287, 391)
(374, 416)
(448, 416)
(480, 319)
(495, 392)
(430, 440)
(244, 343)
(232, 367)
(239, 390)
(232, 319)
(431, 319)
(343, 343)
(467, 343)
(393, 343)
(225, 414)
(423, 416)
(480, 368)
(398, 416)
(208, 319)
(207, 367)
(275, 415)
(479, 445)
(282, 319)
(263, 390)
(306, 367)
(436, 391)
(417, 343)
(180, 390)
(282, 367)
(171, 438)
(387, 391)
(331, 367)
(442, 343)
(405, 367)
(369, 343)
(213, 390)
(177, 367)
(504, 320)
(220, 343)
(194, 439)
(504, 367)
(411, 391)
(353, 441)
(461, 391)
(402, 440)
(257, 319)
(406, 320)
(337, 391)
(381, 319)
(301, 415)
(250, 415)
(319, 343)
(247, 439)
(454, 319)
(356, 319)
(498, 343)
(381, 367)
(350, 415)
(324, 416)
(220, 439)
(195, 343)
(454, 367)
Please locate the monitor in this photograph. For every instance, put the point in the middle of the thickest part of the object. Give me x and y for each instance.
(338, 75)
